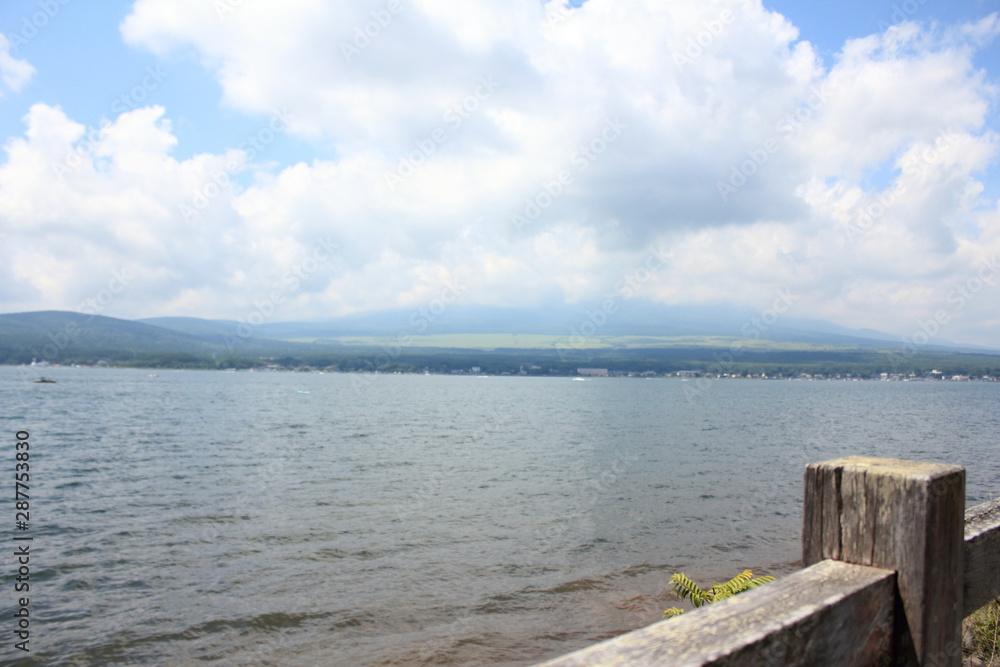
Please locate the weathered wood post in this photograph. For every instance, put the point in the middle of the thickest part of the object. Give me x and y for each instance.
(897, 515)
(982, 555)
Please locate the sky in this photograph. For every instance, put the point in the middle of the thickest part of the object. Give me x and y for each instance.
(260, 161)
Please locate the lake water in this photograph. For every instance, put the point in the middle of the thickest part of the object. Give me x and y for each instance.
(300, 519)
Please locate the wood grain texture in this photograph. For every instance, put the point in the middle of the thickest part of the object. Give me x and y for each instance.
(904, 516)
(828, 614)
(982, 555)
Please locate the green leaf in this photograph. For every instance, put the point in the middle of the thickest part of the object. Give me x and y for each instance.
(688, 590)
(741, 583)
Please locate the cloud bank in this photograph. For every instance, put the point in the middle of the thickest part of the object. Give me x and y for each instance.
(530, 153)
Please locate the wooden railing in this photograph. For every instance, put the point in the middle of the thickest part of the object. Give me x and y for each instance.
(892, 568)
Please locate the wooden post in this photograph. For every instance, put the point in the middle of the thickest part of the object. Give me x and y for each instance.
(896, 515)
(982, 555)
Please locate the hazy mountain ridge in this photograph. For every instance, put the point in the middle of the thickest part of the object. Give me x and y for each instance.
(56, 335)
(631, 318)
(68, 330)
(682, 334)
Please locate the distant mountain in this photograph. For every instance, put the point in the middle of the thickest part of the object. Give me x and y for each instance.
(65, 335)
(623, 318)
(634, 337)
(215, 331)
(65, 331)
(58, 336)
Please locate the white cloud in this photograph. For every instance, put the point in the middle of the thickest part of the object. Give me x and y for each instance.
(699, 96)
(13, 72)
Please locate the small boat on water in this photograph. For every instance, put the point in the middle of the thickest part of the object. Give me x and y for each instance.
(48, 380)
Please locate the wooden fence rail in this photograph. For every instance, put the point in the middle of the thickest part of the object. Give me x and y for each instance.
(892, 567)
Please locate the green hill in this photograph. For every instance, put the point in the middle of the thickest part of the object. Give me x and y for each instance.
(73, 338)
(214, 330)
(58, 336)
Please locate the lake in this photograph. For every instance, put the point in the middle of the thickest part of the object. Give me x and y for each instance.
(299, 519)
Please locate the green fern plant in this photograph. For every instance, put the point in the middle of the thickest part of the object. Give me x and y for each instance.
(688, 590)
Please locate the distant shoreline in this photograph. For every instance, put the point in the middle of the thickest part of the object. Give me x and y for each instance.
(681, 376)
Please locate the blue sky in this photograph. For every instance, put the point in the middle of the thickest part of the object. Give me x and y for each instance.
(242, 154)
(85, 67)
